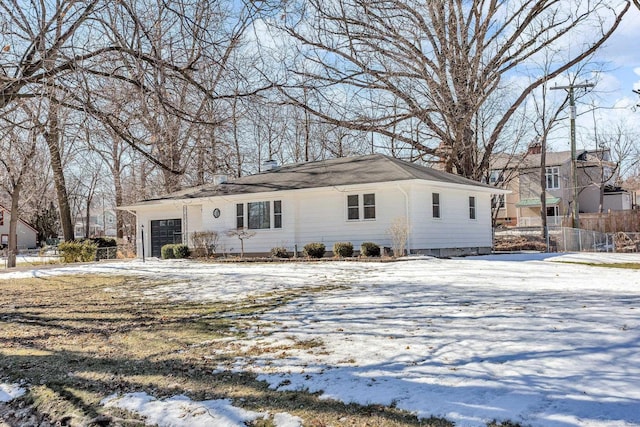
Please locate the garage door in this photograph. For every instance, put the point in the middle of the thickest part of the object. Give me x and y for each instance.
(163, 232)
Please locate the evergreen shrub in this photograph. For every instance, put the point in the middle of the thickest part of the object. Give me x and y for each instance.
(279, 252)
(369, 249)
(181, 250)
(314, 250)
(166, 252)
(343, 249)
(77, 251)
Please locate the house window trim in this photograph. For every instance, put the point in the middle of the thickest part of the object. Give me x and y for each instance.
(353, 207)
(277, 214)
(437, 206)
(275, 217)
(365, 207)
(550, 173)
(496, 176)
(261, 217)
(361, 209)
(498, 202)
(240, 216)
(473, 208)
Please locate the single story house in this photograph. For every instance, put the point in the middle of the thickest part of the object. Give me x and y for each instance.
(27, 235)
(349, 199)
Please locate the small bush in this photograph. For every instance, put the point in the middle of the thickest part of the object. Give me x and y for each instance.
(181, 251)
(343, 249)
(204, 243)
(369, 249)
(279, 252)
(166, 252)
(399, 232)
(314, 250)
(75, 251)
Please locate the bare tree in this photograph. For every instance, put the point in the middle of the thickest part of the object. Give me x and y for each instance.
(172, 55)
(616, 154)
(546, 120)
(242, 234)
(18, 145)
(399, 230)
(438, 61)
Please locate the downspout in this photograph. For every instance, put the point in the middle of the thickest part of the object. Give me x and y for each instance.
(138, 249)
(406, 215)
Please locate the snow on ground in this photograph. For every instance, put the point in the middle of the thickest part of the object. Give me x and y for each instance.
(8, 392)
(182, 411)
(496, 337)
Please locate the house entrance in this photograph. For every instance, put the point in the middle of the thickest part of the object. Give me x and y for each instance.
(165, 231)
(553, 217)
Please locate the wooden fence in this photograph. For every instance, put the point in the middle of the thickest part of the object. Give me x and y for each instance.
(612, 221)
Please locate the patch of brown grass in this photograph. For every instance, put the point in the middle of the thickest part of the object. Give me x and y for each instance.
(78, 339)
(624, 265)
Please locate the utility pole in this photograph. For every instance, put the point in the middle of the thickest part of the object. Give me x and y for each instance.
(574, 165)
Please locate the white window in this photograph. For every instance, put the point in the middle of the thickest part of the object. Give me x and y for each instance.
(435, 205)
(553, 177)
(496, 176)
(277, 214)
(239, 215)
(357, 204)
(472, 207)
(259, 215)
(353, 207)
(369, 206)
(497, 201)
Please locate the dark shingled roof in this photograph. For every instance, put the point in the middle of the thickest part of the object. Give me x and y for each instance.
(325, 173)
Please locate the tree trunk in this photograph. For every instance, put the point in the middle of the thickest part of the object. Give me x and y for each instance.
(87, 226)
(117, 181)
(13, 226)
(52, 136)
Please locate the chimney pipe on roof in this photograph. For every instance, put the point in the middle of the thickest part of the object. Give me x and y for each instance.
(219, 179)
(269, 165)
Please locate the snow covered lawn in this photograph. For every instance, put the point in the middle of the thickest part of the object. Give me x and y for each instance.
(516, 338)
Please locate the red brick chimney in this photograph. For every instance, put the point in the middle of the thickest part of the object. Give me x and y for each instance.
(534, 148)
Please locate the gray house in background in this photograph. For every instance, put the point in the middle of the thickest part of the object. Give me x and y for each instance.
(596, 178)
(27, 235)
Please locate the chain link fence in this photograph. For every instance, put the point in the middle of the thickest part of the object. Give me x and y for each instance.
(562, 239)
(51, 255)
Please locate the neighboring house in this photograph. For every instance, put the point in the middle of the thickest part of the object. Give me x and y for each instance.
(340, 200)
(27, 235)
(102, 222)
(521, 174)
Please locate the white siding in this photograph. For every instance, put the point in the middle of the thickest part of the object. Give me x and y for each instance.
(320, 215)
(454, 228)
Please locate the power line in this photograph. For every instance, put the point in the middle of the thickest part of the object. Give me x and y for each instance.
(574, 169)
